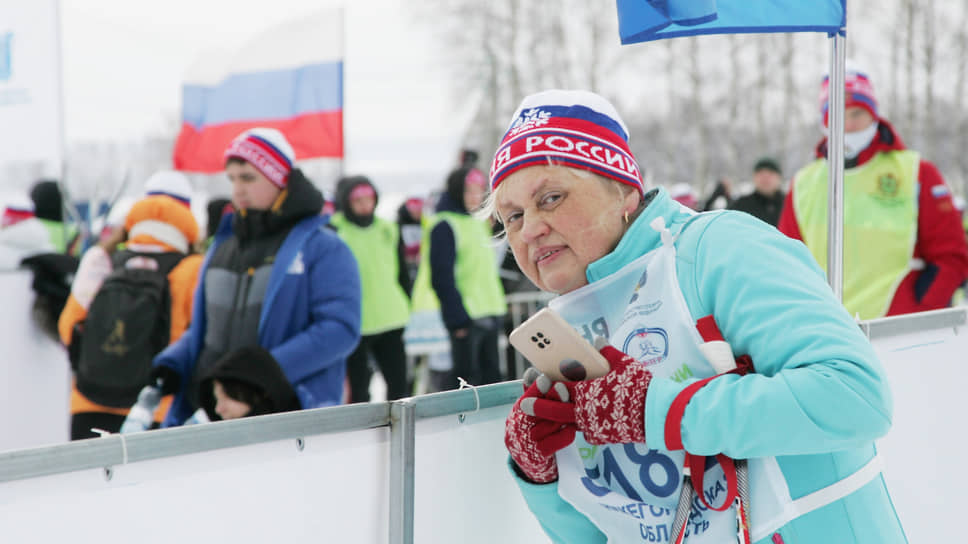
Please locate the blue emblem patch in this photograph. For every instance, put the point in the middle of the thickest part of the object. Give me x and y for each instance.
(647, 345)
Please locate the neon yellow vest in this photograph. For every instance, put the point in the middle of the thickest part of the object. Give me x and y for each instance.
(880, 225)
(475, 270)
(60, 234)
(385, 306)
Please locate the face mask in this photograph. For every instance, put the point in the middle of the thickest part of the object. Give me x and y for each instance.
(855, 142)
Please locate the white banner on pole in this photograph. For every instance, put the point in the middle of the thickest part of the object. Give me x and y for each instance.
(30, 111)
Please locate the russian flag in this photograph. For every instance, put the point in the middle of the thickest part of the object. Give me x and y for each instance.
(289, 78)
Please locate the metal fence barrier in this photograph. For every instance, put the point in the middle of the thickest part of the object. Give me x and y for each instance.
(400, 416)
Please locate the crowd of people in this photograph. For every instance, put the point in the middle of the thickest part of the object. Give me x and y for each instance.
(288, 302)
(284, 301)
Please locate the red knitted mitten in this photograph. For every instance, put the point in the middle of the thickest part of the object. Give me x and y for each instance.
(532, 442)
(607, 410)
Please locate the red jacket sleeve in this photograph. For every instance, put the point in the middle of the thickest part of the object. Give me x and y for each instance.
(941, 244)
(788, 218)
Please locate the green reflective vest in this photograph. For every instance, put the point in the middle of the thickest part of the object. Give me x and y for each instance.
(60, 234)
(385, 306)
(475, 271)
(880, 225)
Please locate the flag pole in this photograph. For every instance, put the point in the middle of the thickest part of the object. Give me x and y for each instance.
(342, 85)
(67, 204)
(835, 165)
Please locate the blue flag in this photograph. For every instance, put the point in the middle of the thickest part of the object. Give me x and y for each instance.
(647, 20)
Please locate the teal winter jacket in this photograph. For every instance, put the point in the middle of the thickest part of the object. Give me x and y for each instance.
(819, 396)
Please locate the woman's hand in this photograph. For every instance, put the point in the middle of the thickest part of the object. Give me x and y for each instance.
(532, 442)
(607, 410)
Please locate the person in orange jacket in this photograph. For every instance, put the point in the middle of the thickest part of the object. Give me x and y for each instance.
(161, 222)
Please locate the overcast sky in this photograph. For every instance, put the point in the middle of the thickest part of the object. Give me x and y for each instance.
(124, 62)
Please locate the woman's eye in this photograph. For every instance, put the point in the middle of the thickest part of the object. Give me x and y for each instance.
(512, 218)
(551, 198)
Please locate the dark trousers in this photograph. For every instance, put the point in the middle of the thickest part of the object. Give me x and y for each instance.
(82, 423)
(475, 355)
(387, 350)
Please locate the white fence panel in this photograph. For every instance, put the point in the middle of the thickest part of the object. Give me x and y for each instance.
(334, 490)
(35, 383)
(463, 491)
(928, 372)
(248, 481)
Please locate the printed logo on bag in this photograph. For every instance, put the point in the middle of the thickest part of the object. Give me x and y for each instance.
(6, 56)
(115, 343)
(647, 345)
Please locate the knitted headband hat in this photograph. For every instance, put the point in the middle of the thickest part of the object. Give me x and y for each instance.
(171, 184)
(267, 150)
(160, 219)
(579, 129)
(858, 91)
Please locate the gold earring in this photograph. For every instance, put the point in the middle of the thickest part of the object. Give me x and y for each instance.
(626, 217)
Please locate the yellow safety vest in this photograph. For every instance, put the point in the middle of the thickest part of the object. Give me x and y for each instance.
(385, 306)
(880, 225)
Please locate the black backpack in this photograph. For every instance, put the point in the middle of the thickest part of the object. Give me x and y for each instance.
(127, 324)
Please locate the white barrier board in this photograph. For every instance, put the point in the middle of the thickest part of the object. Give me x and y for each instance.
(923, 449)
(463, 490)
(334, 490)
(35, 383)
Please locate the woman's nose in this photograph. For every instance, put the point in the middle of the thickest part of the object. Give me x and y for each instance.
(533, 227)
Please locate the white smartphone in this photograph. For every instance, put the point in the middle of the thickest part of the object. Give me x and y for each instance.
(549, 343)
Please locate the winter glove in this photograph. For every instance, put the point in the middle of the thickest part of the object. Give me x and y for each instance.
(607, 410)
(532, 442)
(142, 414)
(165, 379)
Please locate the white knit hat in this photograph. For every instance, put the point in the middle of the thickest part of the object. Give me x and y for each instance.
(170, 183)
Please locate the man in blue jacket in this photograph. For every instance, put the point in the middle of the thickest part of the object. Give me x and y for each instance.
(274, 278)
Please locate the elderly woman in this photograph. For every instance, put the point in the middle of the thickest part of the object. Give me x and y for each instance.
(604, 459)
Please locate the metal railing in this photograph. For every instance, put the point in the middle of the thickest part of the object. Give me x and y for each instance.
(400, 416)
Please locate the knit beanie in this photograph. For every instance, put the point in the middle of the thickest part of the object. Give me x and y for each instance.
(18, 208)
(457, 182)
(48, 203)
(767, 163)
(858, 91)
(578, 129)
(267, 150)
(160, 219)
(170, 183)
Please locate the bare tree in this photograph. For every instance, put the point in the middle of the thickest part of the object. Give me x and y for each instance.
(927, 10)
(911, 66)
(698, 116)
(790, 95)
(960, 90)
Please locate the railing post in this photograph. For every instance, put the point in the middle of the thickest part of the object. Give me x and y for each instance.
(402, 429)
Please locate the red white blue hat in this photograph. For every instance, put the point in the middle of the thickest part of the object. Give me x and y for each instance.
(267, 150)
(578, 129)
(170, 183)
(858, 91)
